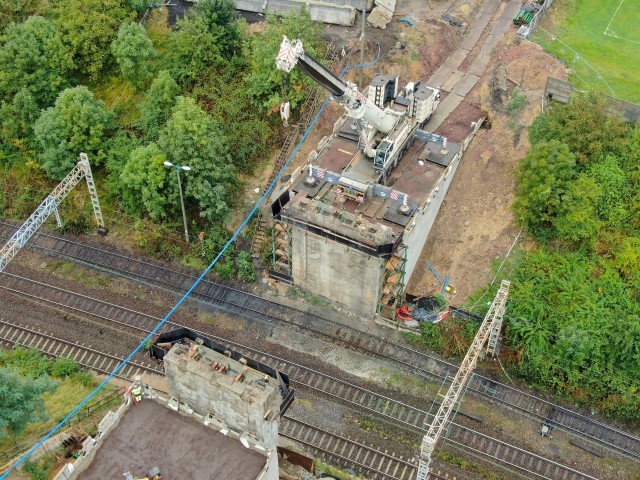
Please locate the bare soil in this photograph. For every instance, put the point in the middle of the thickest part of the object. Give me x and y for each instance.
(475, 225)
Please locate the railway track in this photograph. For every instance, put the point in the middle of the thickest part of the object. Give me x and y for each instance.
(382, 465)
(370, 462)
(254, 307)
(12, 334)
(363, 400)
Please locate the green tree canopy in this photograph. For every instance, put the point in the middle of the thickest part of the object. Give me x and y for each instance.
(207, 37)
(34, 60)
(584, 126)
(222, 20)
(21, 400)
(13, 11)
(224, 96)
(612, 204)
(577, 217)
(268, 86)
(157, 104)
(16, 127)
(76, 123)
(140, 5)
(89, 27)
(191, 137)
(132, 49)
(145, 185)
(543, 177)
(574, 305)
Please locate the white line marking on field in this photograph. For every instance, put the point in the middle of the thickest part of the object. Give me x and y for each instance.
(612, 17)
(611, 33)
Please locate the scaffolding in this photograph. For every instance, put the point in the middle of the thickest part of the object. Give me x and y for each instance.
(282, 247)
(454, 394)
(393, 283)
(50, 206)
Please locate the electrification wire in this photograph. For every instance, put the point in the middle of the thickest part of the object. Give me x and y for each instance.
(153, 332)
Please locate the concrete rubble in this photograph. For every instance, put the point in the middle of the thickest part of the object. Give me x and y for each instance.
(382, 13)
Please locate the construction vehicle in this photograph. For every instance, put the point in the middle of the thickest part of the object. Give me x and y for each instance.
(384, 123)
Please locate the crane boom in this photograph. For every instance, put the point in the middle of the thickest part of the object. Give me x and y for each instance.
(50, 206)
(357, 105)
(452, 398)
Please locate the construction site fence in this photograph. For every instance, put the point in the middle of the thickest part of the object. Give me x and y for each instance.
(90, 411)
(525, 31)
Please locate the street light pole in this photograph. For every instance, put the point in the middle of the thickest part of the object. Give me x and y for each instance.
(184, 213)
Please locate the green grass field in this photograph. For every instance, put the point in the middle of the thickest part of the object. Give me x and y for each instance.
(599, 40)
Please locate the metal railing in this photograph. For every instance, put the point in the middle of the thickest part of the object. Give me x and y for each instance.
(525, 31)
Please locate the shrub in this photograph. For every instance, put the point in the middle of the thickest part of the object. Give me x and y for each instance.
(64, 367)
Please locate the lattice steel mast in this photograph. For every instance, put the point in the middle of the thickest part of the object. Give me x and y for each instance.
(453, 396)
(50, 206)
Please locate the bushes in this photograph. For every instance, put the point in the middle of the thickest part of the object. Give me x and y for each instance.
(29, 362)
(574, 305)
(245, 266)
(64, 367)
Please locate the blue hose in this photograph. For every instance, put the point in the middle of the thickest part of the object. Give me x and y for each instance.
(149, 337)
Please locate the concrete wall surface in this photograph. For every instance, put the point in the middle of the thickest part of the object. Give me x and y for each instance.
(240, 406)
(415, 236)
(344, 276)
(344, 15)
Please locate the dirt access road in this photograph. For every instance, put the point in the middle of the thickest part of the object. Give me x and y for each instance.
(488, 67)
(475, 225)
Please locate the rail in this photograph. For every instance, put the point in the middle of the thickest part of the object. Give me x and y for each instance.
(401, 414)
(254, 307)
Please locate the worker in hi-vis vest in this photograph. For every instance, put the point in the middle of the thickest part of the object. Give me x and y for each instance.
(137, 393)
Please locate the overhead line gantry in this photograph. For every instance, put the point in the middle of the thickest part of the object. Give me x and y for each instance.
(50, 206)
(489, 330)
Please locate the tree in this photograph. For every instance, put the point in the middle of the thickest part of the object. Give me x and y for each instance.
(577, 217)
(140, 5)
(584, 125)
(221, 19)
(76, 123)
(612, 204)
(89, 27)
(12, 11)
(207, 37)
(145, 183)
(157, 104)
(132, 49)
(21, 401)
(627, 260)
(194, 50)
(225, 98)
(34, 60)
(543, 177)
(268, 86)
(192, 138)
(18, 118)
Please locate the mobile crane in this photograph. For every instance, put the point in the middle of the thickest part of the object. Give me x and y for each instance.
(387, 120)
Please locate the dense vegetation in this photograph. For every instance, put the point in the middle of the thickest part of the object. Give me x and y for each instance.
(574, 309)
(83, 75)
(25, 376)
(573, 313)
